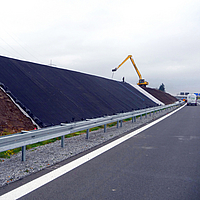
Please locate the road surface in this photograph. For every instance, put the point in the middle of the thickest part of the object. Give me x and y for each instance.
(161, 162)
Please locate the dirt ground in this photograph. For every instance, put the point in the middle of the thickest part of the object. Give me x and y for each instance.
(164, 97)
(12, 120)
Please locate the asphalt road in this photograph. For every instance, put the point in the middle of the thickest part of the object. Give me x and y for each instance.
(160, 163)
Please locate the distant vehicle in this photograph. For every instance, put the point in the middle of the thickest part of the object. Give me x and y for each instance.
(191, 100)
(184, 93)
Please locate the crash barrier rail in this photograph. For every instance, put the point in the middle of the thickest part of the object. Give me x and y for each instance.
(30, 137)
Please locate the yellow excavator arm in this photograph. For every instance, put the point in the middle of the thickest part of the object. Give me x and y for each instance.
(113, 70)
(141, 82)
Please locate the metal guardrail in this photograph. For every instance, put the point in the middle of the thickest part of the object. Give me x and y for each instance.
(30, 137)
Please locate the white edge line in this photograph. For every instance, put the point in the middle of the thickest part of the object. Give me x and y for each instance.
(39, 182)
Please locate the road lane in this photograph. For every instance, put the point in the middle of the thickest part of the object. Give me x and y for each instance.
(162, 162)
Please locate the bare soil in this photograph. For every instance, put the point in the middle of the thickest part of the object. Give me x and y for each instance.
(164, 97)
(12, 120)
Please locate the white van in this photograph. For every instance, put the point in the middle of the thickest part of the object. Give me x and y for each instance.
(191, 100)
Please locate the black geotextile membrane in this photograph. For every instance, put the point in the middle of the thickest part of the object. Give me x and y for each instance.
(51, 95)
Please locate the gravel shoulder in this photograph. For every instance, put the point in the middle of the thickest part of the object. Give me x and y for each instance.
(41, 157)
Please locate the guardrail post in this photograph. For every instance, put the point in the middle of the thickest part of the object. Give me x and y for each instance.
(121, 123)
(117, 124)
(140, 117)
(62, 141)
(145, 115)
(87, 134)
(134, 118)
(104, 128)
(23, 153)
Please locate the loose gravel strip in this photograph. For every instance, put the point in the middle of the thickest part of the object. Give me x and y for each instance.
(41, 157)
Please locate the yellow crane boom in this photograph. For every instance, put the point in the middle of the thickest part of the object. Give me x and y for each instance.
(141, 82)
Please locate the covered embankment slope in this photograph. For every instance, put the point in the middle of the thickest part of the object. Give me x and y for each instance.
(51, 95)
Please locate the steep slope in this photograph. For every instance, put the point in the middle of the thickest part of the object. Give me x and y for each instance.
(51, 95)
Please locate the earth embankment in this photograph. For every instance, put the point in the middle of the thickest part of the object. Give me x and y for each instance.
(164, 97)
(12, 120)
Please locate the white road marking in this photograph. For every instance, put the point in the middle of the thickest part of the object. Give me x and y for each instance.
(39, 182)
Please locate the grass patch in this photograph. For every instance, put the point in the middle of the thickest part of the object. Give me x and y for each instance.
(112, 124)
(8, 153)
(96, 128)
(126, 120)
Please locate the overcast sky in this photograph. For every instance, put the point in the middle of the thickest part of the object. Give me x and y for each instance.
(95, 36)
